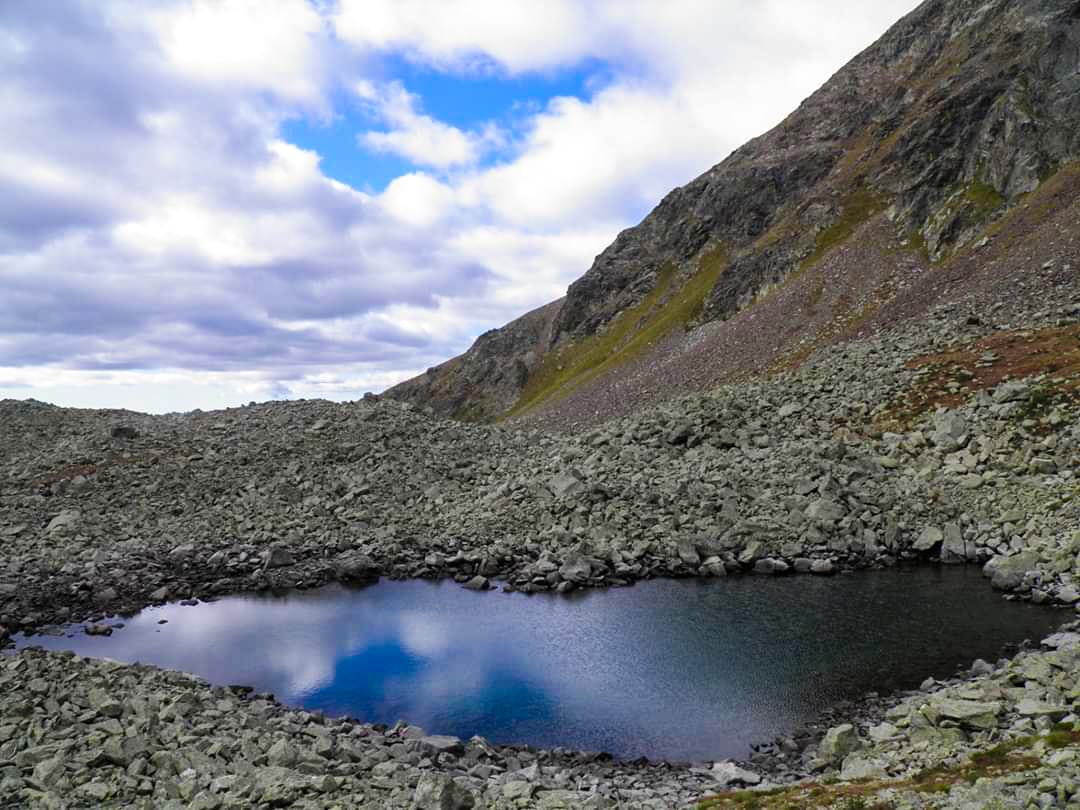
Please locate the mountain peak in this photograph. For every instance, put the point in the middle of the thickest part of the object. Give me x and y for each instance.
(930, 138)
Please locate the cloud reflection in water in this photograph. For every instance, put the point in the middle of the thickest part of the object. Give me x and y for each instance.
(677, 670)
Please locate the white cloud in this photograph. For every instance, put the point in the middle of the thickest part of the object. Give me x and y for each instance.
(517, 35)
(417, 199)
(247, 42)
(164, 244)
(417, 137)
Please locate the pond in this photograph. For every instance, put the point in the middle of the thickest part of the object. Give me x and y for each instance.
(668, 669)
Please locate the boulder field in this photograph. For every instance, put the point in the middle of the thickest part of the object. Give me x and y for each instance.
(863, 457)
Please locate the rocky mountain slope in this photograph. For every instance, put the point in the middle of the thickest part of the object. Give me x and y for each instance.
(931, 139)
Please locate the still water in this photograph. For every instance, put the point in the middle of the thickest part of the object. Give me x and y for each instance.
(678, 670)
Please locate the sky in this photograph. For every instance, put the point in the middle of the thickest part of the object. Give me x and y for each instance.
(210, 202)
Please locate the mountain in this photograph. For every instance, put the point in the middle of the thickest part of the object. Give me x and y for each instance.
(915, 178)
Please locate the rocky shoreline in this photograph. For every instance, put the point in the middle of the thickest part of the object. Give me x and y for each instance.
(83, 732)
(859, 459)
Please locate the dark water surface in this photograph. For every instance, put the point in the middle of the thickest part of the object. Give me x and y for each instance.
(679, 670)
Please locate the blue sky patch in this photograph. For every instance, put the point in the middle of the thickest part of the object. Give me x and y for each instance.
(467, 102)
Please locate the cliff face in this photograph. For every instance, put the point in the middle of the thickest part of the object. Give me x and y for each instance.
(960, 110)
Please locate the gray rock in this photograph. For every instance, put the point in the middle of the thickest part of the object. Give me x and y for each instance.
(972, 713)
(355, 567)
(518, 790)
(822, 567)
(575, 568)
(728, 773)
(687, 552)
(837, 743)
(278, 557)
(770, 566)
(282, 754)
(953, 547)
(1029, 707)
(443, 744)
(65, 522)
(928, 539)
(825, 509)
(860, 766)
(48, 772)
(437, 791)
(477, 583)
(566, 484)
(1007, 573)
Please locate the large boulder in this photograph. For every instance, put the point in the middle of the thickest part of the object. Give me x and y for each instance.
(859, 766)
(576, 568)
(437, 791)
(728, 773)
(278, 557)
(928, 539)
(1007, 573)
(355, 567)
(953, 547)
(687, 552)
(950, 431)
(978, 714)
(837, 743)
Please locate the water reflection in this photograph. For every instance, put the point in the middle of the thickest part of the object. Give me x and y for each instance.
(677, 670)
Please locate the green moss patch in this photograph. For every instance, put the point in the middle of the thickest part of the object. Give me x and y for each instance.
(858, 207)
(666, 308)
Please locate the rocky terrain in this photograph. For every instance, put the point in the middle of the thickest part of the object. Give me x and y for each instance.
(949, 441)
(855, 342)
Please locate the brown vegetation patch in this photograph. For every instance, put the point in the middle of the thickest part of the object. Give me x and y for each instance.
(948, 379)
(1002, 760)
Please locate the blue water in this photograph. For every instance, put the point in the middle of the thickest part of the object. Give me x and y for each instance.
(679, 670)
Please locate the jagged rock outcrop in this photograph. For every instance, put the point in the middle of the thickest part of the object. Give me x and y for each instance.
(957, 112)
(486, 380)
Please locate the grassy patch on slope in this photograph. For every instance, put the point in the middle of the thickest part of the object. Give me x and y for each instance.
(629, 335)
(857, 208)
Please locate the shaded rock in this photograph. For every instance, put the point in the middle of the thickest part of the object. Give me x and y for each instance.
(443, 744)
(354, 567)
(928, 539)
(278, 557)
(477, 583)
